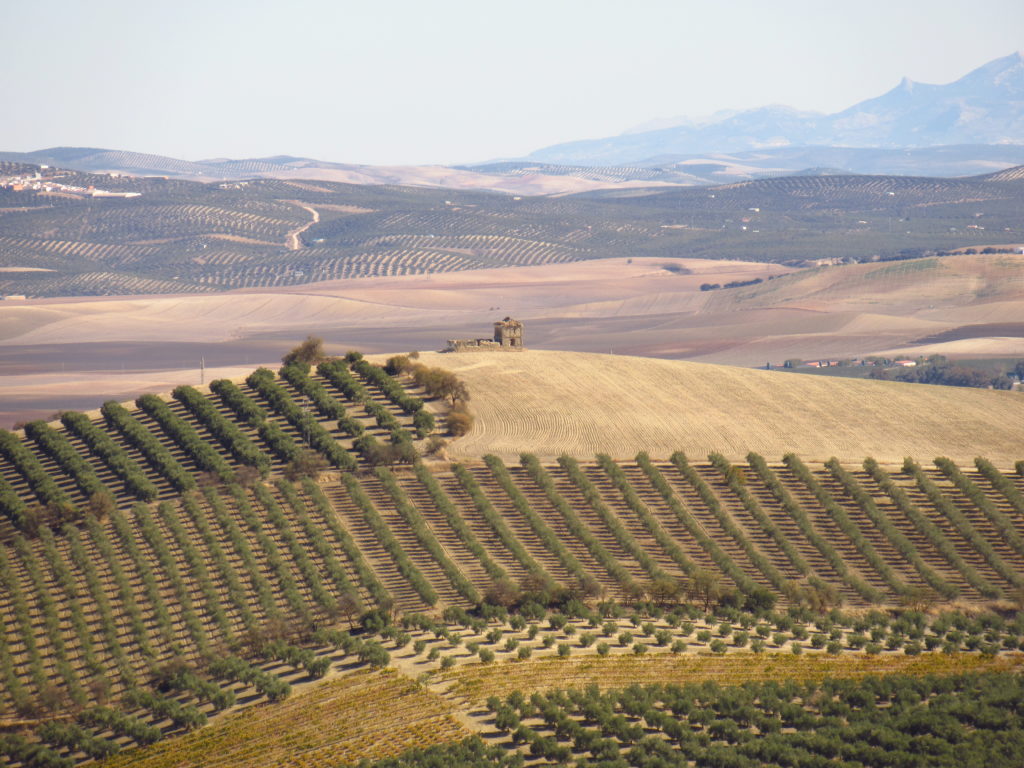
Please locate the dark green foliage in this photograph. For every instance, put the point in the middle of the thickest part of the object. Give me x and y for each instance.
(711, 502)
(799, 515)
(159, 458)
(386, 384)
(388, 540)
(328, 407)
(348, 546)
(234, 398)
(262, 380)
(881, 521)
(848, 526)
(28, 466)
(721, 559)
(752, 506)
(1002, 483)
(969, 720)
(1004, 527)
(113, 455)
(183, 716)
(12, 506)
(935, 535)
(76, 739)
(55, 445)
(182, 433)
(299, 658)
(454, 519)
(572, 520)
(225, 431)
(411, 515)
(961, 523)
(522, 505)
(324, 549)
(31, 754)
(234, 668)
(496, 522)
(423, 421)
(618, 477)
(100, 718)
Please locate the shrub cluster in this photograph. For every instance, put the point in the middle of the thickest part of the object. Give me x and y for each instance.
(225, 431)
(113, 455)
(182, 715)
(55, 445)
(182, 433)
(100, 718)
(77, 739)
(298, 376)
(234, 668)
(262, 380)
(390, 543)
(882, 522)
(31, 754)
(803, 521)
(139, 437)
(931, 531)
(386, 384)
(28, 466)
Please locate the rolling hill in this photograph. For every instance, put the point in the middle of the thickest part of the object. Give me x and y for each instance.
(187, 237)
(549, 403)
(220, 575)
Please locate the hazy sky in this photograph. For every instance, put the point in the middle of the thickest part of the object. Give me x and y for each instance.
(444, 81)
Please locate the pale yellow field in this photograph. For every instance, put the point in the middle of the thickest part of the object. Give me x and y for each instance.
(477, 683)
(579, 403)
(365, 714)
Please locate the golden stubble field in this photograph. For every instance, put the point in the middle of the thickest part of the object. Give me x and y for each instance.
(551, 403)
(74, 353)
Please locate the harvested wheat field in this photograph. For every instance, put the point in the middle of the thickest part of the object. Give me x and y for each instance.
(578, 403)
(477, 683)
(363, 714)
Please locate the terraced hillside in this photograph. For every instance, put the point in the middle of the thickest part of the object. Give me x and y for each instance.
(107, 599)
(181, 236)
(90, 610)
(186, 556)
(156, 448)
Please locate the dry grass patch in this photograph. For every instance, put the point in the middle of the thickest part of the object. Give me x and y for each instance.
(365, 714)
(579, 403)
(479, 682)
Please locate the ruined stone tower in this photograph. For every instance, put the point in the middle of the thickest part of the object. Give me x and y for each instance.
(508, 336)
(508, 333)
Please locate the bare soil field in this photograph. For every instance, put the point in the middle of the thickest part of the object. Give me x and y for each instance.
(551, 403)
(648, 307)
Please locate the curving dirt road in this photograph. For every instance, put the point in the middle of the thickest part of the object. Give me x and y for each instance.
(293, 243)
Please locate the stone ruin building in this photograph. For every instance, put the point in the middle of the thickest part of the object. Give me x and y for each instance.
(508, 336)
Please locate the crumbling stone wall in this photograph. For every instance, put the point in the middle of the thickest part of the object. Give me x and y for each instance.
(508, 336)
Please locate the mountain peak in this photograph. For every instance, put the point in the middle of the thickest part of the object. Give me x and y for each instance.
(984, 106)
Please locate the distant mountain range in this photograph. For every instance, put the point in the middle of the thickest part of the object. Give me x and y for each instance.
(969, 127)
(985, 106)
